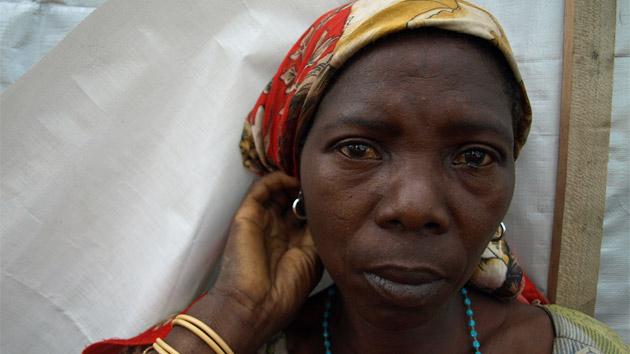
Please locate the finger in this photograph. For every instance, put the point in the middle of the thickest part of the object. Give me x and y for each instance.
(245, 251)
(302, 240)
(274, 192)
(279, 204)
(303, 262)
(273, 183)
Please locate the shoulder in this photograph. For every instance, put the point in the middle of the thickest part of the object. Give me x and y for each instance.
(576, 332)
(514, 327)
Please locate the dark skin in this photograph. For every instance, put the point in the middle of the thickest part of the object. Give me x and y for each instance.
(407, 172)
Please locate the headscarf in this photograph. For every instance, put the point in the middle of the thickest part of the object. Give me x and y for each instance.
(272, 132)
(270, 139)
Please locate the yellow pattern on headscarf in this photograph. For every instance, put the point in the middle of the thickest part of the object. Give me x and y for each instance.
(388, 20)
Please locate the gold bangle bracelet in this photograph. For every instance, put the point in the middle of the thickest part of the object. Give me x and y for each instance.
(159, 349)
(191, 327)
(165, 346)
(208, 331)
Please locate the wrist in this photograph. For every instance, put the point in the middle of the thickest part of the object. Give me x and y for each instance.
(238, 323)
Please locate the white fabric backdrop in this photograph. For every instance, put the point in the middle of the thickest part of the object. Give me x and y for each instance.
(120, 167)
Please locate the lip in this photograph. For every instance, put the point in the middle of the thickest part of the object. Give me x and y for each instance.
(405, 287)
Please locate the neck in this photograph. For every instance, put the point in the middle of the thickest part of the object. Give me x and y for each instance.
(443, 331)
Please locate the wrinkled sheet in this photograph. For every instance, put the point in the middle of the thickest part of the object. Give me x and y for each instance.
(120, 167)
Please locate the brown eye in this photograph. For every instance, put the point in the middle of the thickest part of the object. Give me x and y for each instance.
(359, 151)
(473, 158)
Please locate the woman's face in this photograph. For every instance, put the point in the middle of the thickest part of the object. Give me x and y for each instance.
(407, 172)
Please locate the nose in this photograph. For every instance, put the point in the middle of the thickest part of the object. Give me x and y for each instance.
(415, 198)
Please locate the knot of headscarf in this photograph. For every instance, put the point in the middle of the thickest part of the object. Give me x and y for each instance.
(272, 132)
(273, 129)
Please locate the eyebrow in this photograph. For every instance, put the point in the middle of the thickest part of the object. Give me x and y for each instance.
(361, 123)
(464, 127)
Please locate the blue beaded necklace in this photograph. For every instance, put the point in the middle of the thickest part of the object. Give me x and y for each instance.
(469, 313)
(331, 292)
(471, 322)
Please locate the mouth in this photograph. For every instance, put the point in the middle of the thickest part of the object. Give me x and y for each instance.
(405, 287)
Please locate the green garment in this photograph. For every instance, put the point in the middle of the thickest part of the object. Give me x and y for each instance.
(576, 332)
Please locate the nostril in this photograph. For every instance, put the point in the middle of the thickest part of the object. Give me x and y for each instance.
(432, 225)
(399, 225)
(396, 224)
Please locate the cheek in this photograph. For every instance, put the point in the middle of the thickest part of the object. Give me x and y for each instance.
(338, 204)
(335, 195)
(479, 207)
(491, 195)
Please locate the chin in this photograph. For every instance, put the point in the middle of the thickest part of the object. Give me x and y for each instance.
(388, 318)
(393, 306)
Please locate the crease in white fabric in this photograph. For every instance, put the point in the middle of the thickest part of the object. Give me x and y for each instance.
(75, 323)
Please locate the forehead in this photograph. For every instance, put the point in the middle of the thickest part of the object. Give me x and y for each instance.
(425, 54)
(413, 72)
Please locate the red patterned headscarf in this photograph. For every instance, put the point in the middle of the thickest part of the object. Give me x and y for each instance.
(274, 127)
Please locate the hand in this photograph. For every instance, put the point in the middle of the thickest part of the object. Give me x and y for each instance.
(270, 262)
(269, 267)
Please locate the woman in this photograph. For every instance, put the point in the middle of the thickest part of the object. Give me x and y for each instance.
(395, 125)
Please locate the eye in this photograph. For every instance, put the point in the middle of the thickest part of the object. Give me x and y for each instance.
(359, 151)
(474, 158)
